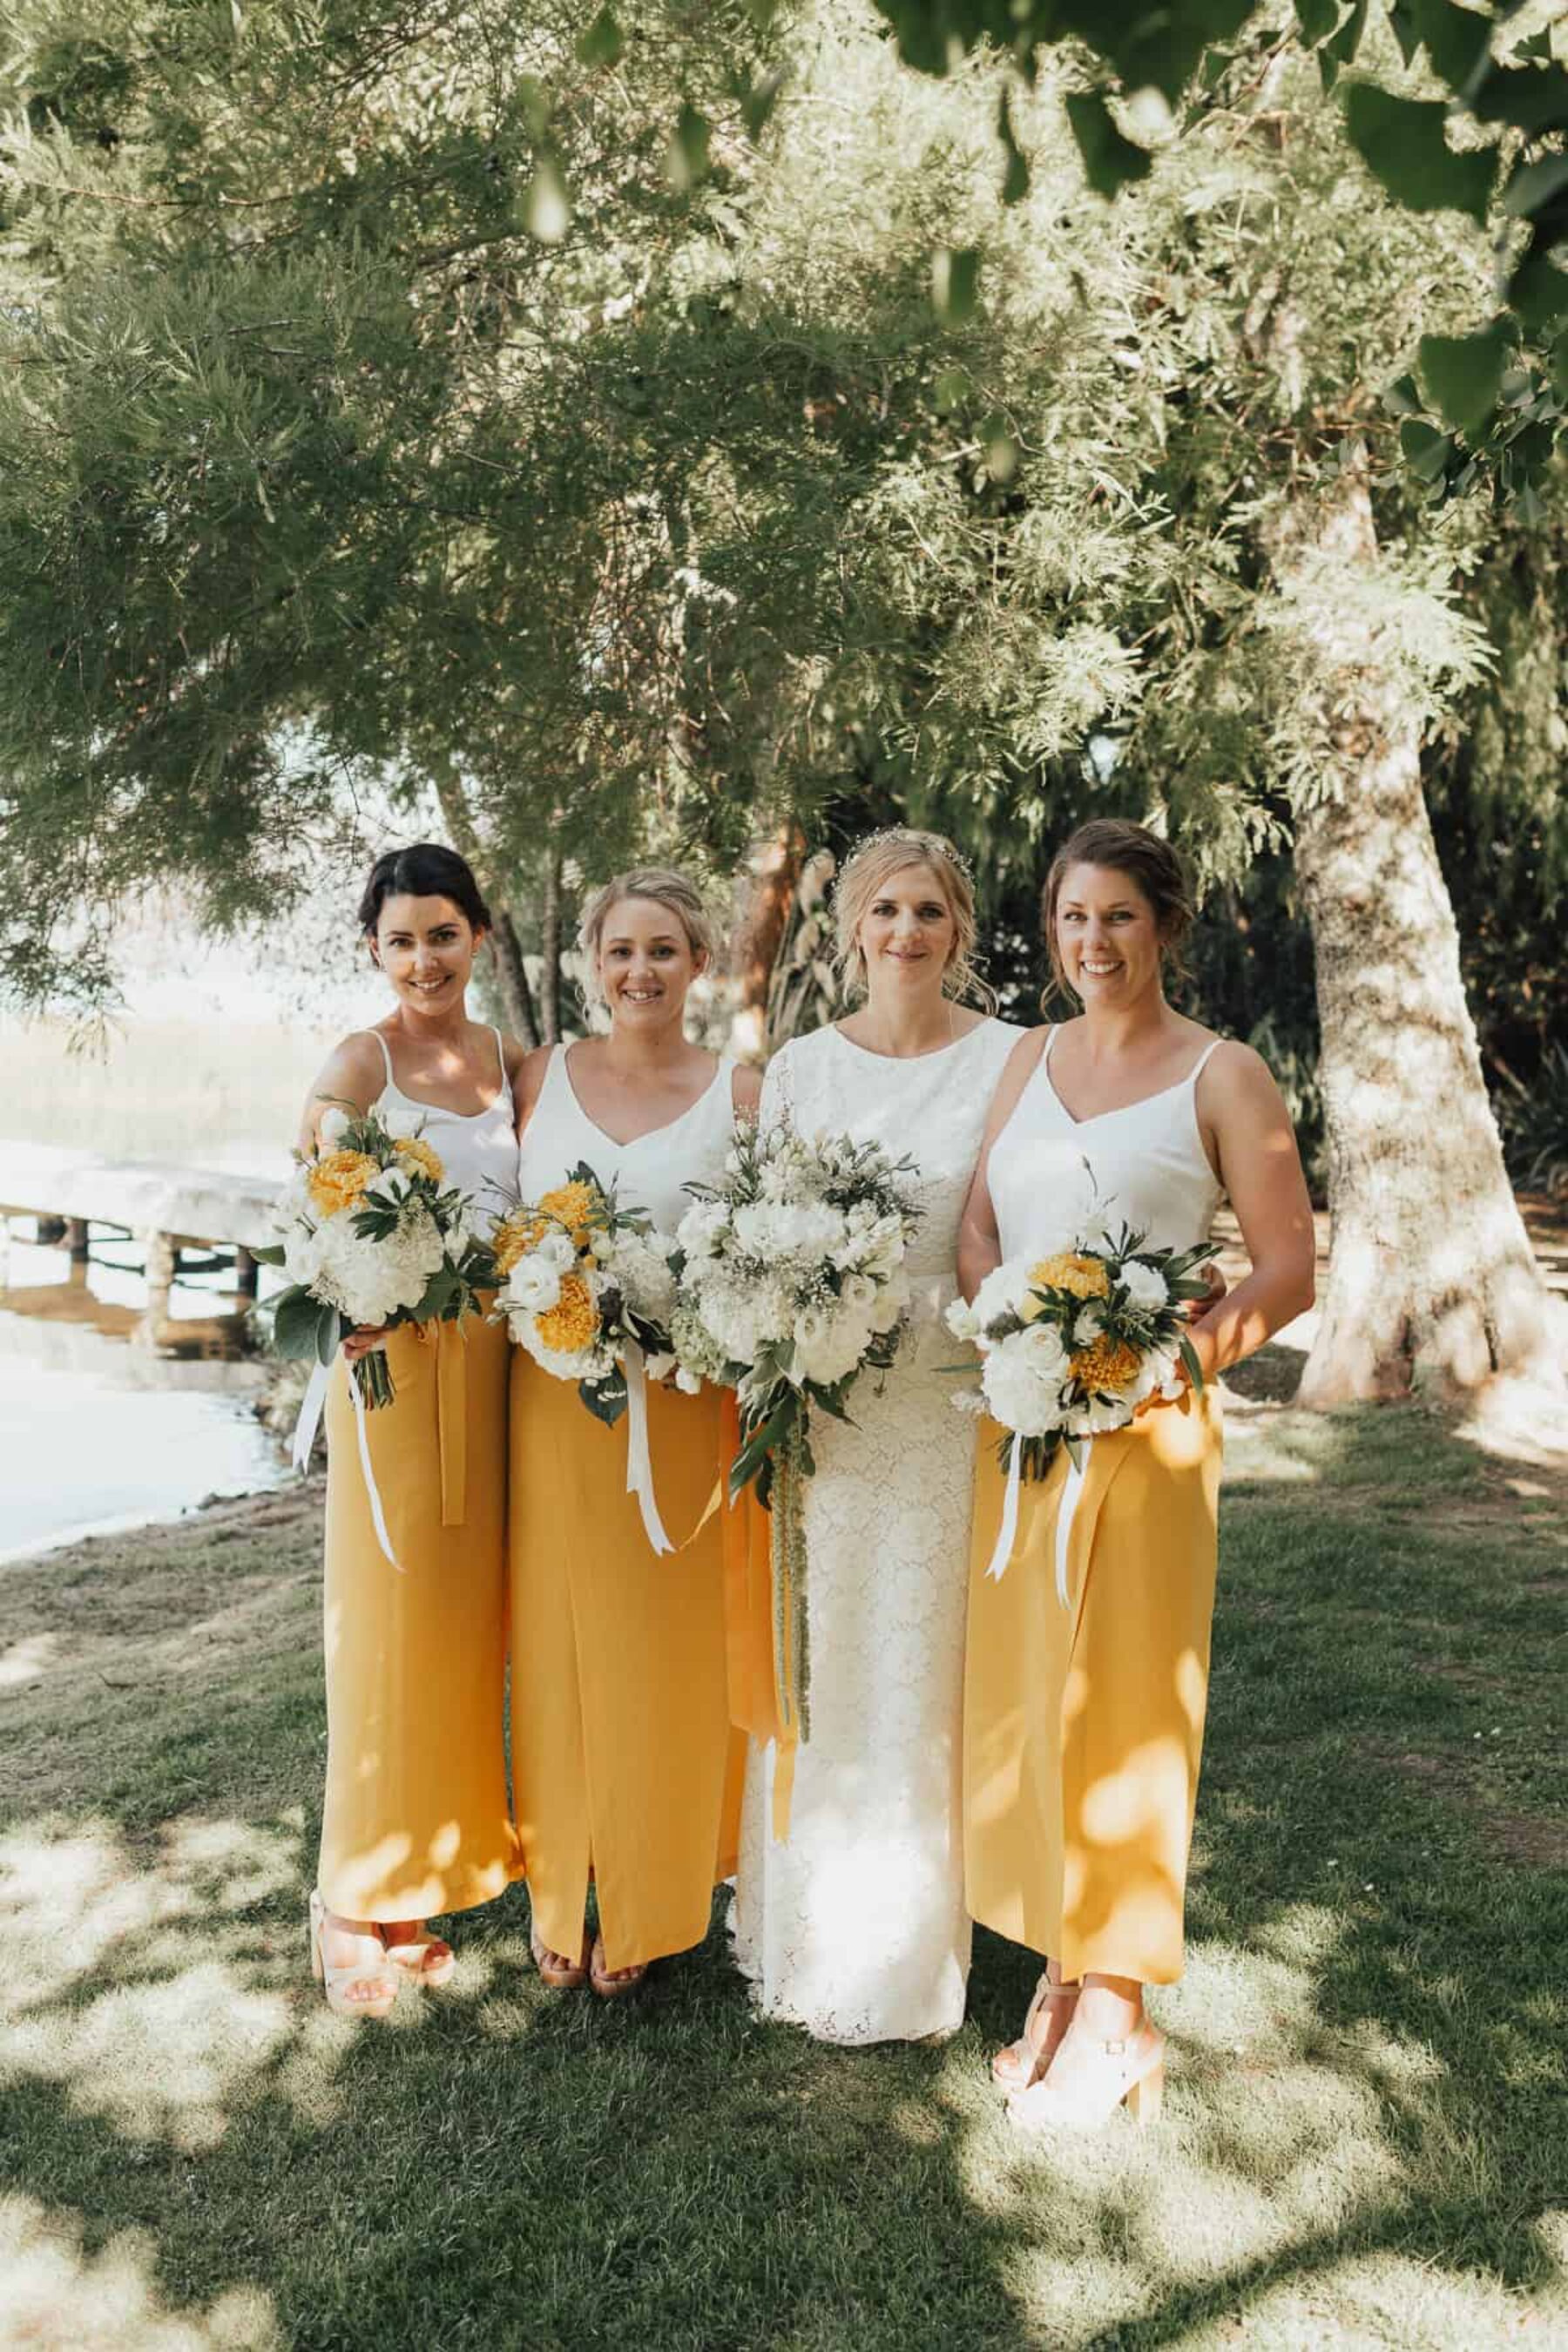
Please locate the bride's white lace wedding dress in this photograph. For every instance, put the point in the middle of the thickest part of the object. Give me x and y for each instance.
(855, 1926)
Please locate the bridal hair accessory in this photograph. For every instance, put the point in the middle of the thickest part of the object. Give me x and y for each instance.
(909, 836)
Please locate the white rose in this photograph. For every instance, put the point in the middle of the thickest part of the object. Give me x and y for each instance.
(962, 1322)
(333, 1126)
(533, 1285)
(390, 1187)
(827, 1347)
(1004, 1291)
(1146, 1285)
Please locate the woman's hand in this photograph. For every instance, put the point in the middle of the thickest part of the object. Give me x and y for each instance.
(362, 1342)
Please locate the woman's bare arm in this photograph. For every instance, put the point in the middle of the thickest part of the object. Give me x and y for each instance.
(979, 1244)
(1240, 1106)
(350, 1077)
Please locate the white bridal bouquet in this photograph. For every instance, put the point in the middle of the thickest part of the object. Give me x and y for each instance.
(587, 1284)
(371, 1234)
(1071, 1344)
(792, 1284)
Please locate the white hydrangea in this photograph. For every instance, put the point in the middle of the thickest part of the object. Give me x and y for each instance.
(371, 1281)
(1023, 1382)
(1004, 1291)
(828, 1345)
(700, 1231)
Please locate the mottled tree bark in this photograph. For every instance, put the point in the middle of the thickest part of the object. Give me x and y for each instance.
(1431, 1275)
(549, 952)
(767, 895)
(503, 947)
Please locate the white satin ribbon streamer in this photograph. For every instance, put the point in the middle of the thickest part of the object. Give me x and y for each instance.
(312, 1406)
(1009, 1527)
(378, 1517)
(640, 1462)
(1067, 1512)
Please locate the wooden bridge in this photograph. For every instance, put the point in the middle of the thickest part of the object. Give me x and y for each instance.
(171, 1212)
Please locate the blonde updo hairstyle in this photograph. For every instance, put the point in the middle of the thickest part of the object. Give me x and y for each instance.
(1150, 864)
(667, 888)
(867, 871)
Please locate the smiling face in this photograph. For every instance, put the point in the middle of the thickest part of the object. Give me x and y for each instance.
(1107, 935)
(645, 964)
(909, 934)
(426, 947)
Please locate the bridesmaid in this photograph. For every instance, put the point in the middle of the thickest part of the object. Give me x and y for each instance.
(415, 1819)
(1084, 1725)
(624, 1765)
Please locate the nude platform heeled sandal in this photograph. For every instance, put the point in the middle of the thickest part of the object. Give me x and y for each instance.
(335, 1981)
(1024, 2061)
(1133, 2076)
(413, 1958)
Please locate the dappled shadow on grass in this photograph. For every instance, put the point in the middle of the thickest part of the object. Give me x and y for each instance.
(1364, 2129)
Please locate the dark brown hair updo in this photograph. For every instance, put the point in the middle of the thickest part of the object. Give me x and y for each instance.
(428, 869)
(1147, 861)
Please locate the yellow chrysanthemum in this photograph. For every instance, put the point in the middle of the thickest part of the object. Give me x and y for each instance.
(1081, 1278)
(515, 1236)
(573, 1322)
(339, 1178)
(422, 1156)
(571, 1205)
(1107, 1365)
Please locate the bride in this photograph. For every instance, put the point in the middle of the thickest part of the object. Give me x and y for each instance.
(854, 1924)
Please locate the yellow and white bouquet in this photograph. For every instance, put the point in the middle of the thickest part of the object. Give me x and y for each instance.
(793, 1284)
(586, 1285)
(1073, 1343)
(371, 1234)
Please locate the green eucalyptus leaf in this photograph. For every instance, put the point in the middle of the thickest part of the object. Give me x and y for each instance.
(687, 158)
(603, 44)
(1427, 449)
(1110, 161)
(955, 278)
(1463, 375)
(1404, 144)
(1534, 185)
(1532, 99)
(1317, 19)
(1538, 292)
(329, 1330)
(1455, 39)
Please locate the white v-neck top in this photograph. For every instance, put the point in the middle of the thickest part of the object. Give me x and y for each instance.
(653, 1171)
(1144, 1165)
(477, 1148)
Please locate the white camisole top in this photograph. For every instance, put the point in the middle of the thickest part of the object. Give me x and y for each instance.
(652, 1172)
(477, 1148)
(1144, 1165)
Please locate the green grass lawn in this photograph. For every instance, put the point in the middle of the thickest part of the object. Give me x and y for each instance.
(1365, 2138)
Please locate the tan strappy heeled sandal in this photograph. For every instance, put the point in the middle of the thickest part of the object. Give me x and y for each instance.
(428, 1959)
(335, 1981)
(615, 1986)
(1024, 2061)
(555, 1969)
(1132, 2075)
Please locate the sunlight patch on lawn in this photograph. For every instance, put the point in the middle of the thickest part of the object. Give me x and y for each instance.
(190, 2014)
(160, 2059)
(27, 1660)
(1388, 2299)
(55, 2295)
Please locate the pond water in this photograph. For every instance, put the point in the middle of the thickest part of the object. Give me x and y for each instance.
(96, 1433)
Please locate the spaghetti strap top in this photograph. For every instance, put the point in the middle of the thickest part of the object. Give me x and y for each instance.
(1144, 1165)
(477, 1148)
(652, 1172)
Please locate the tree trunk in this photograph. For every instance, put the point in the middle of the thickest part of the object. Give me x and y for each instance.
(763, 919)
(549, 952)
(1431, 1276)
(504, 946)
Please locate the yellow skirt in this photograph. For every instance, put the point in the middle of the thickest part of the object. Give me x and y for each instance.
(1084, 1725)
(415, 1819)
(624, 1763)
